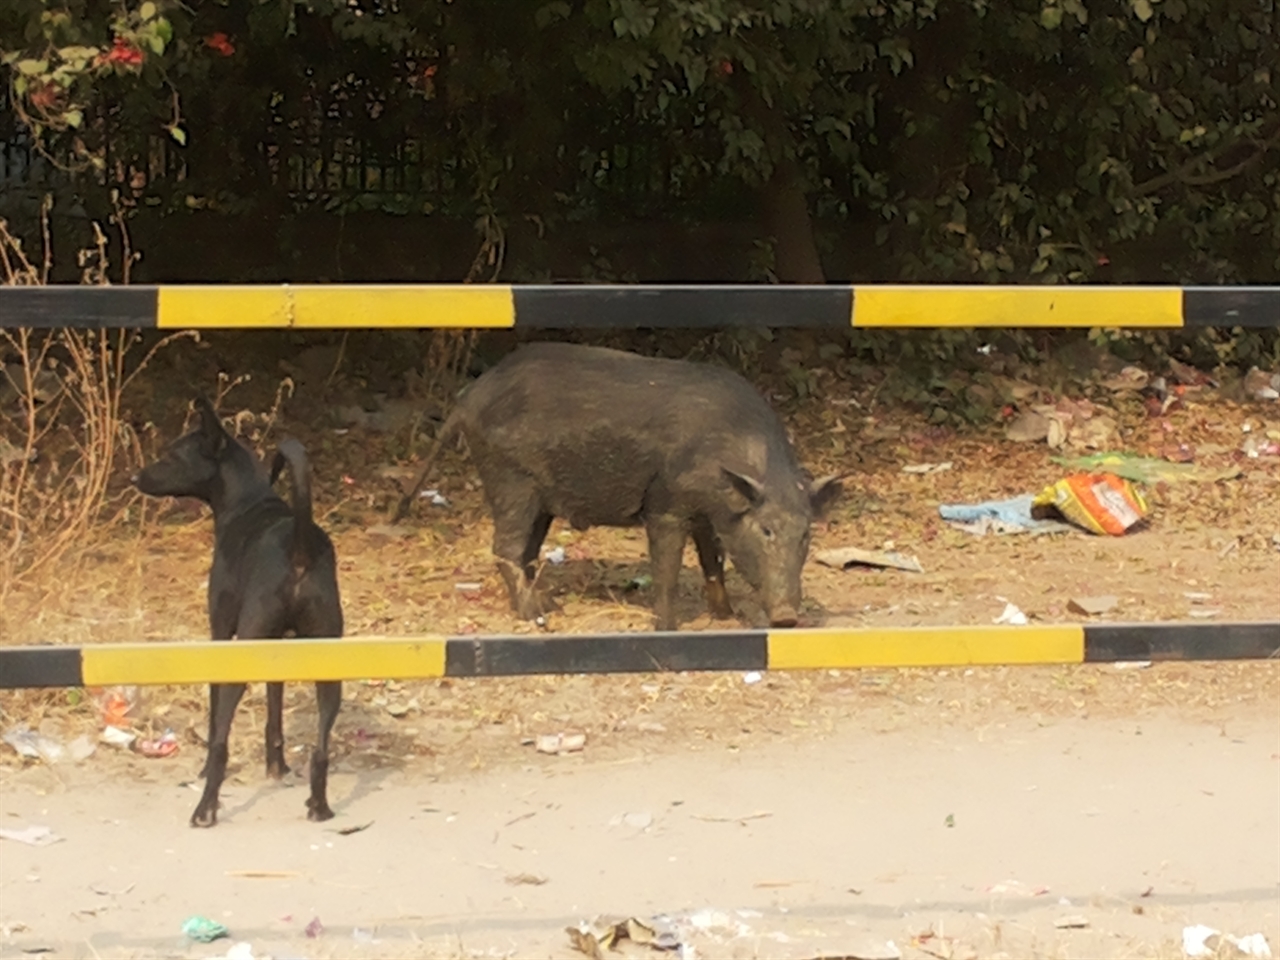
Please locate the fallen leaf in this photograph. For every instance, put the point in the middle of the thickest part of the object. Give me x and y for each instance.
(525, 879)
(1029, 427)
(1092, 606)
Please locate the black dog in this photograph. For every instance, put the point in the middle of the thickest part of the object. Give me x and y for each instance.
(274, 573)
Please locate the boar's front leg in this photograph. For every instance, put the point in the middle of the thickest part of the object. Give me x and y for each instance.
(667, 535)
(711, 557)
(519, 527)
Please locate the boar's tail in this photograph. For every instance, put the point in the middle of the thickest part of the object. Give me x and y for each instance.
(292, 453)
(447, 433)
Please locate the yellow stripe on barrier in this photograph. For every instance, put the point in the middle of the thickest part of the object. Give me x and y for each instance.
(1009, 307)
(323, 306)
(246, 661)
(458, 305)
(211, 307)
(924, 647)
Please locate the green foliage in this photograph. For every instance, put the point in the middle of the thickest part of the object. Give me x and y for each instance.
(71, 58)
(1209, 349)
(1024, 141)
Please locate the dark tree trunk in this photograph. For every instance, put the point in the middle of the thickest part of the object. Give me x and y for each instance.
(787, 219)
(785, 206)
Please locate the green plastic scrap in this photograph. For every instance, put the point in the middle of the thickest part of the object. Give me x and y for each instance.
(1148, 469)
(204, 930)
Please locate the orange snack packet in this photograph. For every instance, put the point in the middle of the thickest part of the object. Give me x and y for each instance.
(1102, 503)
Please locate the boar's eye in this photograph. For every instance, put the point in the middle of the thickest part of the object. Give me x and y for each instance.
(768, 534)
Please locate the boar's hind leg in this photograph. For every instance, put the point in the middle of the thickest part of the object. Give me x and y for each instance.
(711, 556)
(519, 527)
(666, 551)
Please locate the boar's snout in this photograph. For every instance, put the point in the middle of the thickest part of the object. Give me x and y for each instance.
(784, 616)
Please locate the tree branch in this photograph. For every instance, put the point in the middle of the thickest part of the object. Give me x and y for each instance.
(1184, 173)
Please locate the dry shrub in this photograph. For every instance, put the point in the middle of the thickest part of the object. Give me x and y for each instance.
(254, 428)
(443, 372)
(448, 356)
(62, 435)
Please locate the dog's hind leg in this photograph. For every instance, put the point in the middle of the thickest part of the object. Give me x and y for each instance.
(276, 767)
(321, 616)
(329, 701)
(225, 698)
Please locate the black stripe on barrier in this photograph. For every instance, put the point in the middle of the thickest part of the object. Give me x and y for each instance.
(1231, 307)
(29, 667)
(78, 307)
(604, 306)
(50, 666)
(618, 653)
(1117, 642)
(564, 307)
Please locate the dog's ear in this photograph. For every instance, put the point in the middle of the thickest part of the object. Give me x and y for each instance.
(210, 424)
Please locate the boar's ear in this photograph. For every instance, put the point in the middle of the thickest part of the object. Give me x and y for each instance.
(749, 489)
(210, 425)
(823, 493)
(277, 467)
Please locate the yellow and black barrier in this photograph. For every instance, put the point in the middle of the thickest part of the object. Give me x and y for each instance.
(566, 306)
(403, 658)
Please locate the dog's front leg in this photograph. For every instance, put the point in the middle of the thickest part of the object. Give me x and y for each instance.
(208, 743)
(227, 698)
(222, 626)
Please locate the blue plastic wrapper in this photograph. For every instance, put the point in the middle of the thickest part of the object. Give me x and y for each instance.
(204, 930)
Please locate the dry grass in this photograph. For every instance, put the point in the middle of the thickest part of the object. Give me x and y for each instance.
(63, 433)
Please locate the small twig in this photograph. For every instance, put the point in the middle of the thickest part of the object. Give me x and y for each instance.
(46, 207)
(342, 349)
(130, 257)
(263, 874)
(759, 815)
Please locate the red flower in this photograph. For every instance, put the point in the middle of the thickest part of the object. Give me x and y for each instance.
(1103, 260)
(124, 52)
(219, 44)
(44, 95)
(725, 67)
(430, 71)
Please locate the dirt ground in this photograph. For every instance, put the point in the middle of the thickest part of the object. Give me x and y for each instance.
(798, 815)
(893, 826)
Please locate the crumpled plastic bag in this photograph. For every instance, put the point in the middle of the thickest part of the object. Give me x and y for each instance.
(999, 516)
(1101, 503)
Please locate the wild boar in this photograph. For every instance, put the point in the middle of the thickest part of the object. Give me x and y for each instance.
(601, 437)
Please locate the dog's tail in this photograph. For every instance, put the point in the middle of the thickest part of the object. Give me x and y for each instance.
(447, 433)
(292, 453)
